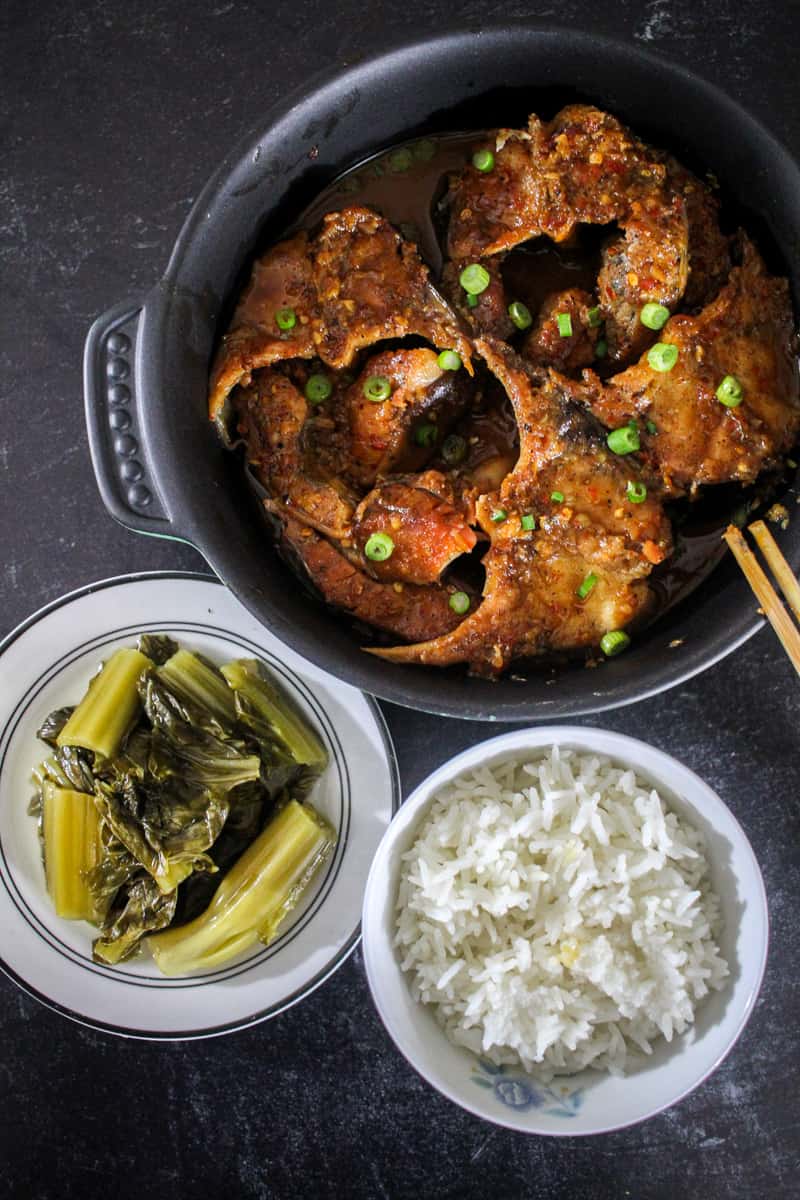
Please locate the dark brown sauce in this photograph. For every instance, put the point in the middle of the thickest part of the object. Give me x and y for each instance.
(535, 271)
(406, 184)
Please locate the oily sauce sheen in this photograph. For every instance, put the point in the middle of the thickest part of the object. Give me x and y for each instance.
(406, 184)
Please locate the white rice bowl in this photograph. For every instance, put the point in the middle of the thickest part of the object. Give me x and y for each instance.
(591, 1101)
(554, 913)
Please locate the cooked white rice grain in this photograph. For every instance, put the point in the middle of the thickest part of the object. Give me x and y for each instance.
(555, 913)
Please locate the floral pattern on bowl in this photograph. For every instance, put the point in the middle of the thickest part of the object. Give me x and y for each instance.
(519, 1092)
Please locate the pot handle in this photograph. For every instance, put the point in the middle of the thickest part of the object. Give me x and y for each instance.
(114, 422)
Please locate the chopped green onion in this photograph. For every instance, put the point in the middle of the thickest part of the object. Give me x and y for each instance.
(318, 388)
(663, 356)
(454, 449)
(651, 427)
(285, 318)
(564, 322)
(425, 434)
(474, 279)
(483, 160)
(557, 497)
(587, 586)
(636, 492)
(379, 547)
(400, 160)
(601, 349)
(595, 317)
(448, 360)
(499, 515)
(614, 642)
(459, 602)
(520, 314)
(791, 464)
(730, 392)
(377, 388)
(528, 522)
(472, 301)
(424, 150)
(654, 316)
(624, 440)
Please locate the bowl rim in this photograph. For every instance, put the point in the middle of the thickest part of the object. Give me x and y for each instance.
(665, 768)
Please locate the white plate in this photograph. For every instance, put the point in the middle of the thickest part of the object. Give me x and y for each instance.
(46, 663)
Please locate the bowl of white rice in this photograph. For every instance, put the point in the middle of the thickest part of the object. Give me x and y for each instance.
(564, 930)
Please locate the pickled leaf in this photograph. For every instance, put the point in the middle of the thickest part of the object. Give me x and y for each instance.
(249, 807)
(116, 866)
(52, 725)
(271, 716)
(255, 896)
(75, 765)
(183, 768)
(166, 831)
(158, 647)
(139, 909)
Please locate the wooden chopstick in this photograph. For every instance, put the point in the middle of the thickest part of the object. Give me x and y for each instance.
(767, 597)
(777, 564)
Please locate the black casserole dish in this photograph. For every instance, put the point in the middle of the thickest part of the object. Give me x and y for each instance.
(160, 465)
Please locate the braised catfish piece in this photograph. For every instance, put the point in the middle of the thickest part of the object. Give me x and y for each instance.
(488, 312)
(372, 285)
(493, 211)
(479, 472)
(565, 334)
(709, 248)
(289, 453)
(688, 434)
(282, 280)
(383, 435)
(271, 414)
(358, 282)
(405, 610)
(584, 166)
(620, 283)
(560, 524)
(427, 531)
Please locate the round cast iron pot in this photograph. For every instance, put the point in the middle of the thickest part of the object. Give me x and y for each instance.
(160, 466)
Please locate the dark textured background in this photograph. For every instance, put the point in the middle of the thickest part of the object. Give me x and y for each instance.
(111, 123)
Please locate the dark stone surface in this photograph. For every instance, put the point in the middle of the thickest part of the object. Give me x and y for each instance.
(111, 123)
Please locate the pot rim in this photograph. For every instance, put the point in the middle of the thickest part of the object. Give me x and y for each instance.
(428, 688)
(316, 84)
